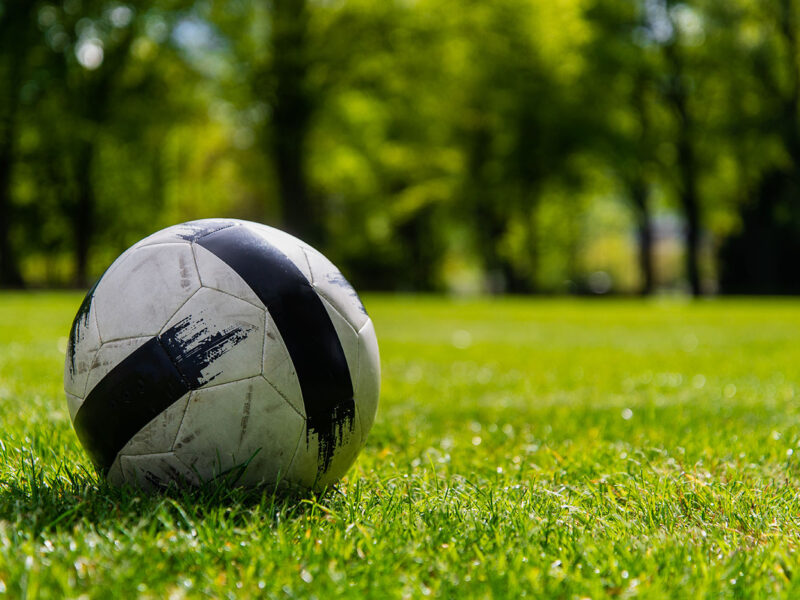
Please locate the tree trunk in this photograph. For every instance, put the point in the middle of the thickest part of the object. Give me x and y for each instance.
(791, 103)
(14, 29)
(489, 217)
(638, 193)
(638, 187)
(10, 275)
(677, 96)
(91, 102)
(528, 283)
(292, 109)
(760, 258)
(688, 198)
(489, 229)
(422, 248)
(83, 215)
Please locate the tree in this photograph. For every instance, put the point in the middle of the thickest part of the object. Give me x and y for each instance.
(676, 92)
(623, 78)
(94, 82)
(522, 120)
(761, 257)
(293, 103)
(17, 36)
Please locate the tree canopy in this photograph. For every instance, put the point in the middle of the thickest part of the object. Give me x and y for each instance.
(516, 146)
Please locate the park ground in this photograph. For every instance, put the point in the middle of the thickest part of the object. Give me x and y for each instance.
(541, 448)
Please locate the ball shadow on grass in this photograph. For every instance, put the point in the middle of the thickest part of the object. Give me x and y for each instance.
(45, 499)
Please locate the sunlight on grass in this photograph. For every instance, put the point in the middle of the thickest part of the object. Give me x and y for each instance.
(557, 448)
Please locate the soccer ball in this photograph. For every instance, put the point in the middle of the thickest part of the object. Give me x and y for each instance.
(222, 348)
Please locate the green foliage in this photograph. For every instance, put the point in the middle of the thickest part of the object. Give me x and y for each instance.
(404, 138)
(548, 448)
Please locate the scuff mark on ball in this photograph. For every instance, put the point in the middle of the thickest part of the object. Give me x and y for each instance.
(193, 348)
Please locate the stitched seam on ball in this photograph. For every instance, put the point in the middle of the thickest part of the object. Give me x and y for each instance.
(89, 372)
(177, 310)
(172, 243)
(278, 338)
(285, 399)
(358, 365)
(180, 425)
(96, 322)
(128, 455)
(308, 264)
(200, 237)
(211, 385)
(358, 384)
(211, 287)
(196, 266)
(86, 389)
(330, 302)
(369, 320)
(79, 406)
(297, 447)
(190, 470)
(264, 340)
(288, 359)
(361, 436)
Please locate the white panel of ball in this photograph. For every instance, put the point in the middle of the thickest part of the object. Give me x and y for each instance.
(211, 314)
(138, 297)
(244, 422)
(368, 382)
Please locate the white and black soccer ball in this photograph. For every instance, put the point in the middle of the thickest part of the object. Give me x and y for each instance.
(222, 346)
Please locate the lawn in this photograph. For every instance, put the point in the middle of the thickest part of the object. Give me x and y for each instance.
(548, 448)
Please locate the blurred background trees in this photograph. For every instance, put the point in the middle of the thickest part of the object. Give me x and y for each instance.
(581, 146)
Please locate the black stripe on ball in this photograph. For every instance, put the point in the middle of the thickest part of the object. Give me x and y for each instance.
(305, 327)
(133, 393)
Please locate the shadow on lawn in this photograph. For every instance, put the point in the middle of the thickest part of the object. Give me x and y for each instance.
(61, 498)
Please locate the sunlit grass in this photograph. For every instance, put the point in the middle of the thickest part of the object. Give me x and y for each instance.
(564, 449)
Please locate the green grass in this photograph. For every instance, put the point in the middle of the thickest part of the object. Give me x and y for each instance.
(564, 449)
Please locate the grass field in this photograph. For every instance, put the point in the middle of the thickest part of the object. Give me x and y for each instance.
(546, 448)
